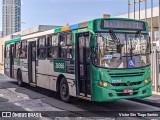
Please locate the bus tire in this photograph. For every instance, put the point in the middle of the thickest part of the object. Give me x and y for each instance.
(64, 90)
(19, 78)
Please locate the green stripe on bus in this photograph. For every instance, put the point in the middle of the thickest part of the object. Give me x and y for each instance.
(57, 30)
(12, 40)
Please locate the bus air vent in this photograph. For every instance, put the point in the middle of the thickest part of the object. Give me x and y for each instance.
(125, 84)
(126, 74)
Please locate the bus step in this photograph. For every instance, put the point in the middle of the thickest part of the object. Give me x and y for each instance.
(86, 98)
(33, 84)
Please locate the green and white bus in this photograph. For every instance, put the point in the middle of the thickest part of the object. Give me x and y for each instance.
(100, 60)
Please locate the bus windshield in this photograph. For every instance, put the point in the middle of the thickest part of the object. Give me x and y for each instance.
(122, 50)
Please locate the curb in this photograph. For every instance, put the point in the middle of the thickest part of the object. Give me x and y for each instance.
(155, 93)
(146, 102)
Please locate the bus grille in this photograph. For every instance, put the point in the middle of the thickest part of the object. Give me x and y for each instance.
(126, 74)
(125, 84)
(121, 91)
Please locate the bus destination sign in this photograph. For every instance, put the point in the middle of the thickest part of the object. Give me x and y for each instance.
(123, 25)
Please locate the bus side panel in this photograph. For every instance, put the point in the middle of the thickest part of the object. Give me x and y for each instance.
(70, 80)
(53, 77)
(24, 70)
(53, 81)
(42, 74)
(69, 77)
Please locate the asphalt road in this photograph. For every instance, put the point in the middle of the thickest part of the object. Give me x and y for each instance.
(27, 98)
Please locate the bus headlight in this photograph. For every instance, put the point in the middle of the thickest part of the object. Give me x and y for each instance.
(105, 84)
(148, 80)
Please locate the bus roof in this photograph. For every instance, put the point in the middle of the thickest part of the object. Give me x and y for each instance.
(77, 26)
(86, 24)
(12, 40)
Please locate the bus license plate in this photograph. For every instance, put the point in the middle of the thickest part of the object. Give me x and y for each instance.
(128, 91)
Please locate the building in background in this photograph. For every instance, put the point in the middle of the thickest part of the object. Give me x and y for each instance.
(11, 16)
(0, 34)
(156, 40)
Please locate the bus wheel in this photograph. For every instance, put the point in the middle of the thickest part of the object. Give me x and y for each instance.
(19, 78)
(64, 90)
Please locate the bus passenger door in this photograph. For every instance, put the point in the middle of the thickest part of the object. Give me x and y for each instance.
(7, 60)
(32, 62)
(83, 65)
(12, 61)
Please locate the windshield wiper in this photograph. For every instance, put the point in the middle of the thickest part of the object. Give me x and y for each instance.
(116, 40)
(113, 36)
(131, 48)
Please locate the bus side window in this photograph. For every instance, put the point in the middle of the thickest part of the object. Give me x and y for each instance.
(14, 56)
(66, 46)
(18, 47)
(63, 46)
(13, 51)
(69, 46)
(24, 50)
(41, 48)
(7, 51)
(49, 47)
(55, 45)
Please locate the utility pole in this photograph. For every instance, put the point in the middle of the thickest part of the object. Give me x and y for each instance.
(128, 8)
(134, 8)
(159, 20)
(139, 9)
(158, 70)
(134, 2)
(152, 24)
(145, 2)
(153, 58)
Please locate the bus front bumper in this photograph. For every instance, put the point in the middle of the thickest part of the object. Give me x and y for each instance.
(102, 94)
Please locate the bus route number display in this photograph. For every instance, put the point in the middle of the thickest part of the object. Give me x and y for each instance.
(123, 25)
(60, 66)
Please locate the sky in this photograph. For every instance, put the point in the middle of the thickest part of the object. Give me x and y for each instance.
(63, 12)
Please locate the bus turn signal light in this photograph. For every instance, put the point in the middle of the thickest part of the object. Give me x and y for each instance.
(100, 83)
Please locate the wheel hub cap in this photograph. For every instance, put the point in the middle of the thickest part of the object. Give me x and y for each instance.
(64, 89)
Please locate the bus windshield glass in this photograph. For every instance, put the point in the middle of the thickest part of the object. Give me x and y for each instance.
(122, 50)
